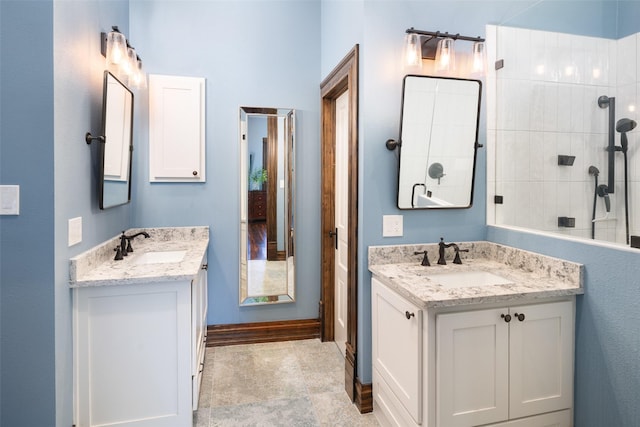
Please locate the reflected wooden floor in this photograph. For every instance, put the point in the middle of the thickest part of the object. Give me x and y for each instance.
(257, 246)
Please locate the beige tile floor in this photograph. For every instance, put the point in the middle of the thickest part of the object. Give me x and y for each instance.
(292, 383)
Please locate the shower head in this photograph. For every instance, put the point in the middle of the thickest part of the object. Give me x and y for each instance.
(594, 171)
(625, 125)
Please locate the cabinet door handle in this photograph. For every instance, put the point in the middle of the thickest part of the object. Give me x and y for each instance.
(409, 315)
(506, 317)
(519, 316)
(195, 173)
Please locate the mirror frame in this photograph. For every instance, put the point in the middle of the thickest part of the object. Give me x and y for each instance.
(473, 144)
(288, 295)
(106, 117)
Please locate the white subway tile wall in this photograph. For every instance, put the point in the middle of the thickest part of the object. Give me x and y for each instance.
(542, 104)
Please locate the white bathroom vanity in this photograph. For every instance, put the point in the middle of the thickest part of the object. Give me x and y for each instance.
(489, 342)
(140, 330)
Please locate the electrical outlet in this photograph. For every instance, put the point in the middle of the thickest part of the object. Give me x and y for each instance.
(75, 231)
(9, 200)
(391, 225)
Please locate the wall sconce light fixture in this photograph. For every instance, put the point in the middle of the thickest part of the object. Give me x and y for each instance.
(440, 47)
(122, 58)
(446, 55)
(412, 50)
(479, 58)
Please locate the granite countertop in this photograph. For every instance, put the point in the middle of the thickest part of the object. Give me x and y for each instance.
(530, 275)
(97, 267)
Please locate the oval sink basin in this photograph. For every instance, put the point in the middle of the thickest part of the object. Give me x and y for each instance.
(465, 279)
(160, 257)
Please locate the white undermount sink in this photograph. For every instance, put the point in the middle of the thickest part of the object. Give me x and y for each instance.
(465, 279)
(160, 257)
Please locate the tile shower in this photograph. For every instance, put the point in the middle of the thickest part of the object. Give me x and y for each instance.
(542, 104)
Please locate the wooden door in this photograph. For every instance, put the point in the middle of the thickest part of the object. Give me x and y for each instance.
(342, 221)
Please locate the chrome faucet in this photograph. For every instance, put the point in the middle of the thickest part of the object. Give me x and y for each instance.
(442, 246)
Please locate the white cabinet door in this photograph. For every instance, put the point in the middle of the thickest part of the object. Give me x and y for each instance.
(492, 368)
(472, 362)
(176, 129)
(397, 346)
(198, 330)
(541, 348)
(132, 355)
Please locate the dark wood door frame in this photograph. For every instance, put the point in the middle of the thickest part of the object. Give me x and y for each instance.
(344, 77)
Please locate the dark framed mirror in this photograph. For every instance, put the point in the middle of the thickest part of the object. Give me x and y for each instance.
(116, 149)
(438, 142)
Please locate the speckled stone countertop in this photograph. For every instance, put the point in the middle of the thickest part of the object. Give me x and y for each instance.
(97, 267)
(531, 275)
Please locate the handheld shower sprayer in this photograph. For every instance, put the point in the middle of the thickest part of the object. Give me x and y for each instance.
(623, 126)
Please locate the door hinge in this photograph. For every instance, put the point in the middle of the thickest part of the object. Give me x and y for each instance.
(499, 64)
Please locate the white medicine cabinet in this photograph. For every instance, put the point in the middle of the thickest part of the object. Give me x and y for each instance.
(176, 129)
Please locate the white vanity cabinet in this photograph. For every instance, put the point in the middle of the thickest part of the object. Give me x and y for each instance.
(199, 300)
(139, 352)
(397, 350)
(503, 363)
(506, 365)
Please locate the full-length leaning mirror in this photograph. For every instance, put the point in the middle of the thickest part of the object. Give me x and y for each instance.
(115, 152)
(438, 142)
(267, 186)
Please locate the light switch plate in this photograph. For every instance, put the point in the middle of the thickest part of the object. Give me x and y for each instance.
(75, 231)
(9, 200)
(392, 226)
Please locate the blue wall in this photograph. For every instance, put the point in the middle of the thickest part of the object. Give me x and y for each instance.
(78, 83)
(27, 241)
(51, 94)
(252, 53)
(256, 54)
(607, 384)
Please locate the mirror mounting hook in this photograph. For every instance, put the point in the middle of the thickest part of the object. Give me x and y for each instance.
(392, 144)
(89, 138)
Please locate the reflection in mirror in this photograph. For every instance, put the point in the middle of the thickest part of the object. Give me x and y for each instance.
(552, 130)
(267, 187)
(438, 142)
(115, 152)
